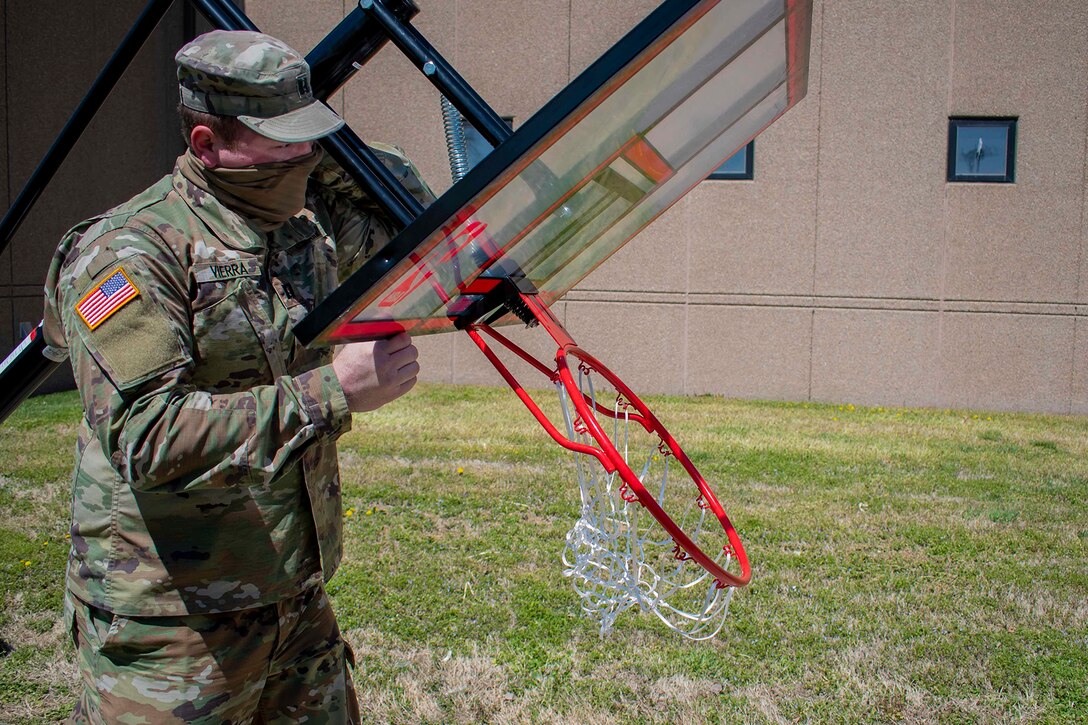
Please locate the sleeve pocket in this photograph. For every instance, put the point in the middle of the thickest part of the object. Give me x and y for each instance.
(137, 342)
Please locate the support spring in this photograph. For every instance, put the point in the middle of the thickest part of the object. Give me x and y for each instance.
(454, 127)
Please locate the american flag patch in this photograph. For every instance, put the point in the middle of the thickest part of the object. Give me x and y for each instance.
(106, 298)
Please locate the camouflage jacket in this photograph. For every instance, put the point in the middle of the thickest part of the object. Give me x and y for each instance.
(206, 477)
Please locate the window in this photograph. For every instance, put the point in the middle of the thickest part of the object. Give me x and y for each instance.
(738, 166)
(982, 149)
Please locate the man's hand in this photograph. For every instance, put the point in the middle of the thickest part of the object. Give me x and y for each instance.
(375, 373)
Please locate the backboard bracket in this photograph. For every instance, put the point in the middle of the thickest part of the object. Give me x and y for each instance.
(487, 299)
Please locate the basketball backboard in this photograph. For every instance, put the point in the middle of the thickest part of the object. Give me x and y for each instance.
(650, 119)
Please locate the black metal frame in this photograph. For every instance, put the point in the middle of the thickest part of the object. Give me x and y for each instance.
(333, 61)
(955, 123)
(81, 118)
(342, 52)
(518, 143)
(429, 62)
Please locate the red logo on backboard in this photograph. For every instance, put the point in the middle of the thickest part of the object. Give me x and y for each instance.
(425, 268)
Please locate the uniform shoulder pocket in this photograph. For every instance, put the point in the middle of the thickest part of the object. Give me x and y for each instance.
(120, 318)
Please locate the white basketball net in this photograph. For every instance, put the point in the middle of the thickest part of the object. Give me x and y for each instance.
(617, 554)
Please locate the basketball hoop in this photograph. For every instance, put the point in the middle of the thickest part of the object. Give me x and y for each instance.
(651, 533)
(636, 130)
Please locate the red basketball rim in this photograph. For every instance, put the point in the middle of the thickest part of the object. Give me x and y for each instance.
(649, 421)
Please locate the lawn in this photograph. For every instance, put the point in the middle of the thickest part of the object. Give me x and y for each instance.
(909, 565)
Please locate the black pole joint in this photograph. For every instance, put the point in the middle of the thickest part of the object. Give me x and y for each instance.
(439, 72)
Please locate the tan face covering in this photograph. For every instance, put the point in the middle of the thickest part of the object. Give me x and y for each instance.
(268, 194)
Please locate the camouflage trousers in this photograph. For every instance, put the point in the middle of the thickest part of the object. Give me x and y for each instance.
(282, 663)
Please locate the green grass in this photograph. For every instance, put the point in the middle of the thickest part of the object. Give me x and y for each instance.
(909, 565)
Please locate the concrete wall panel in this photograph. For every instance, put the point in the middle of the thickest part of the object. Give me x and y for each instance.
(759, 236)
(1082, 255)
(516, 61)
(435, 357)
(883, 133)
(643, 343)
(130, 143)
(880, 357)
(749, 352)
(300, 25)
(1079, 404)
(7, 329)
(595, 25)
(136, 129)
(1007, 361)
(1001, 243)
(36, 118)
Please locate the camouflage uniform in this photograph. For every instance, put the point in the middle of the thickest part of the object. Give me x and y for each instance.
(283, 663)
(206, 479)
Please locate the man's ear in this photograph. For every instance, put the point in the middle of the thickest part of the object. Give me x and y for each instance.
(205, 145)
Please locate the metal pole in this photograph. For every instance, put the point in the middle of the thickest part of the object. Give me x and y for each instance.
(27, 367)
(23, 371)
(440, 73)
(223, 14)
(372, 176)
(348, 46)
(81, 117)
(354, 31)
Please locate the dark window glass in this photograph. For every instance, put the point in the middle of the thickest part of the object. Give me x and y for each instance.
(982, 149)
(738, 166)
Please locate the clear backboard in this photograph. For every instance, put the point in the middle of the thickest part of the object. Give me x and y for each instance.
(650, 119)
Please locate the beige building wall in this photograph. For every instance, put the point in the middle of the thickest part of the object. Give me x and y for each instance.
(849, 269)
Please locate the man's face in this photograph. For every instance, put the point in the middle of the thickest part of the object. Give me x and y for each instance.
(251, 148)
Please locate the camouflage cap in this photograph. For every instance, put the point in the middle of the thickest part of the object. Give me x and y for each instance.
(258, 79)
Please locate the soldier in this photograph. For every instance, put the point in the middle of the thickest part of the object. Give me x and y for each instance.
(206, 511)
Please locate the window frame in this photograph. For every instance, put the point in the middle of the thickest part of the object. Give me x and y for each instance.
(749, 166)
(955, 123)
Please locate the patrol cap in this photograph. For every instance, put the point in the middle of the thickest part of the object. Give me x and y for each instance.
(258, 79)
